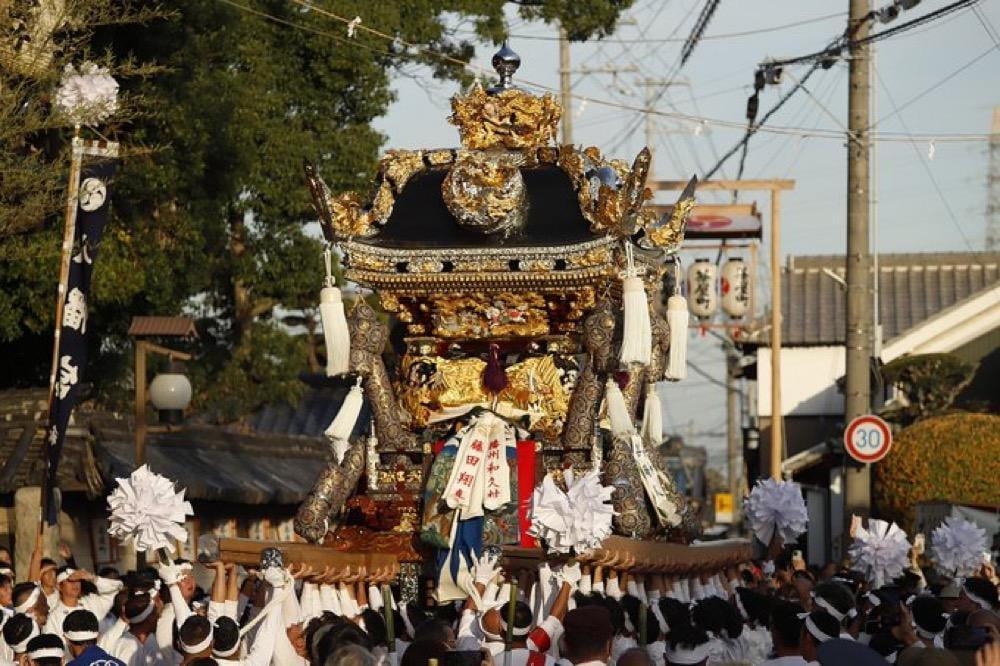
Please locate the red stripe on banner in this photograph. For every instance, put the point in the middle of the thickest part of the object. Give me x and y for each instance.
(525, 488)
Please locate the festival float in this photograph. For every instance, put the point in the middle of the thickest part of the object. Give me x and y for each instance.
(504, 397)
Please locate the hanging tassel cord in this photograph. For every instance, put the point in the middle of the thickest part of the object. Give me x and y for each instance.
(677, 321)
(329, 280)
(637, 334)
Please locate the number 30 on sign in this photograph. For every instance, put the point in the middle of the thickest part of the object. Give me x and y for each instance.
(867, 439)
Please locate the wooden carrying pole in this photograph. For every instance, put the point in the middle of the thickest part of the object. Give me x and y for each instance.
(774, 187)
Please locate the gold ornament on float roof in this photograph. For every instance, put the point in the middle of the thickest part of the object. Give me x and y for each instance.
(509, 118)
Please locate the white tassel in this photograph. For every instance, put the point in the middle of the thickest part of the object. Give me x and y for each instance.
(339, 430)
(621, 422)
(335, 331)
(677, 320)
(652, 417)
(637, 334)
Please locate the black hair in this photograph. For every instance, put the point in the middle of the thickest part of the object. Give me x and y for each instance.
(885, 643)
(717, 616)
(419, 653)
(21, 592)
(433, 630)
(617, 614)
(108, 572)
(378, 633)
(81, 619)
(675, 613)
(523, 616)
(48, 562)
(983, 589)
(225, 634)
(588, 632)
(17, 628)
(194, 630)
(686, 636)
(786, 626)
(928, 614)
(46, 642)
(343, 633)
(203, 661)
(837, 595)
(6, 580)
(757, 606)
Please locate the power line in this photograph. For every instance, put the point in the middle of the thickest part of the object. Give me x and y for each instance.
(717, 122)
(667, 40)
(699, 28)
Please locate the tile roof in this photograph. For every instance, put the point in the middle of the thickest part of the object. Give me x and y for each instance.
(912, 289)
(168, 326)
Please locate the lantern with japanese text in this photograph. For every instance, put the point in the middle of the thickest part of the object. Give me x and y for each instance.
(703, 290)
(735, 288)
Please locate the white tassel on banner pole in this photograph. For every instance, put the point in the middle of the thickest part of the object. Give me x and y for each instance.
(335, 332)
(637, 335)
(339, 430)
(652, 417)
(621, 422)
(677, 320)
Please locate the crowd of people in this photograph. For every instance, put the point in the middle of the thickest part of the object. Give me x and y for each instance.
(581, 612)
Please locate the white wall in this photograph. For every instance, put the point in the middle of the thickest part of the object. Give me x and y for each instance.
(808, 380)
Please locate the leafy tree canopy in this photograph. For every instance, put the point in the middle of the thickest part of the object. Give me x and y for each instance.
(210, 213)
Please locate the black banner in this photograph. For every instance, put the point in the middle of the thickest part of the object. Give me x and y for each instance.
(92, 207)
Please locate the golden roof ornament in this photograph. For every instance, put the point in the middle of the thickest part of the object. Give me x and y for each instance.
(505, 116)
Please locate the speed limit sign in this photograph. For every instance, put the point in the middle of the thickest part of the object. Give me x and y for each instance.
(868, 439)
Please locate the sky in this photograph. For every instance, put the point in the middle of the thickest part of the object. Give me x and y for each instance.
(944, 78)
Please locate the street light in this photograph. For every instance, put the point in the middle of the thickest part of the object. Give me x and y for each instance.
(169, 392)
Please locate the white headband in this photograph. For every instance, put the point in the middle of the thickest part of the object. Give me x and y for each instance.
(29, 603)
(874, 599)
(185, 567)
(828, 607)
(226, 653)
(816, 632)
(142, 615)
(64, 576)
(923, 633)
(681, 655)
(53, 652)
(200, 647)
(19, 648)
(7, 571)
(976, 599)
(80, 636)
(519, 632)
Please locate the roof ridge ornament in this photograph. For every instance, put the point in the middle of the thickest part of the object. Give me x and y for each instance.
(506, 62)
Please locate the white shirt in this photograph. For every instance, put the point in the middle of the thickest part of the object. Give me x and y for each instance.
(99, 604)
(620, 646)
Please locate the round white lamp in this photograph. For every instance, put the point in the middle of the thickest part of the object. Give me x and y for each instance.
(170, 394)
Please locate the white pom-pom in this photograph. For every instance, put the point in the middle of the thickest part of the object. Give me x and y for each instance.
(652, 418)
(637, 336)
(776, 507)
(958, 546)
(340, 429)
(617, 410)
(147, 510)
(88, 96)
(881, 552)
(677, 321)
(577, 520)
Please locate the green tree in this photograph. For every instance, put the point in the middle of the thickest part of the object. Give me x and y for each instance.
(217, 219)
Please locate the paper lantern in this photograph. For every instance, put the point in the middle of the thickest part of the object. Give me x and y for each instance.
(703, 291)
(735, 288)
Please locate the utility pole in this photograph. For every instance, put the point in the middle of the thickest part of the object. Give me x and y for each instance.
(734, 431)
(993, 186)
(857, 480)
(565, 88)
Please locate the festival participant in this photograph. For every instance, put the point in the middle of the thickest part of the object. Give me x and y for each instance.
(688, 644)
(80, 632)
(181, 588)
(836, 599)
(721, 620)
(978, 595)
(587, 636)
(817, 628)
(929, 620)
(637, 656)
(17, 633)
(755, 609)
(194, 639)
(46, 650)
(71, 596)
(29, 599)
(226, 643)
(786, 634)
(6, 595)
(133, 639)
(843, 652)
(421, 652)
